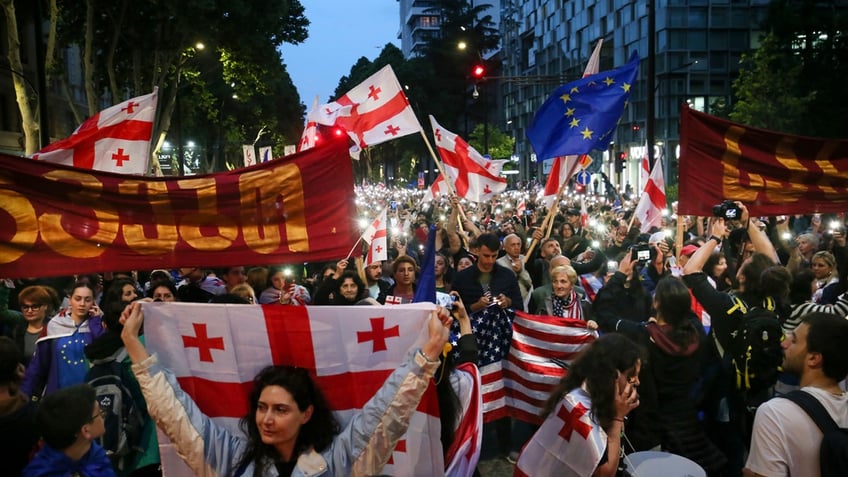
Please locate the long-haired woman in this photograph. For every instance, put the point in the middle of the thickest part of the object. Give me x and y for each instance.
(592, 400)
(289, 429)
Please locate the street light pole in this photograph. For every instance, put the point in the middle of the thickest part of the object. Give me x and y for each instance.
(651, 81)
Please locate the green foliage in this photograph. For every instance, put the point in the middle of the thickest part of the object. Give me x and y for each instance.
(794, 82)
(500, 144)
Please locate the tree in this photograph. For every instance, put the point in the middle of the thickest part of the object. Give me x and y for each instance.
(794, 82)
(501, 145)
(13, 44)
(131, 47)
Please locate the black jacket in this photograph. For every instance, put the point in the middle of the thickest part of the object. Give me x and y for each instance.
(467, 284)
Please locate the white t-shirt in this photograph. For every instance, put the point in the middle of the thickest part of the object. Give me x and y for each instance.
(786, 441)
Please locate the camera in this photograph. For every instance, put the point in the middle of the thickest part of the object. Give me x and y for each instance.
(727, 210)
(641, 252)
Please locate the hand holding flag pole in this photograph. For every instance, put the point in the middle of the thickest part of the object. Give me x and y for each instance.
(451, 188)
(547, 223)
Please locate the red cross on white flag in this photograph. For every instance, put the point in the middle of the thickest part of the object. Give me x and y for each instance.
(321, 339)
(373, 112)
(652, 202)
(437, 189)
(375, 236)
(116, 139)
(475, 177)
(569, 442)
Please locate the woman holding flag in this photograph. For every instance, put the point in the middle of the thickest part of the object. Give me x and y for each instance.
(290, 429)
(584, 416)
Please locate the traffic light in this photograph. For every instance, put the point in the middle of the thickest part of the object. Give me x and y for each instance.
(619, 161)
(478, 72)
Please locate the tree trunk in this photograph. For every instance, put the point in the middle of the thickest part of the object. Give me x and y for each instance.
(110, 55)
(88, 58)
(50, 56)
(28, 123)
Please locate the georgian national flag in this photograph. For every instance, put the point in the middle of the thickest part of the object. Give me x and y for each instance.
(652, 202)
(116, 139)
(565, 166)
(437, 189)
(561, 171)
(474, 177)
(541, 348)
(373, 112)
(568, 444)
(216, 350)
(375, 237)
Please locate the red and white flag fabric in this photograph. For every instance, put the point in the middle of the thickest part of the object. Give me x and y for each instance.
(652, 202)
(373, 112)
(562, 169)
(568, 444)
(437, 189)
(116, 139)
(644, 171)
(541, 348)
(215, 351)
(475, 178)
(463, 454)
(565, 167)
(375, 237)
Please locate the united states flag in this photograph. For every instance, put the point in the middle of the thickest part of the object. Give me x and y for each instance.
(541, 348)
(492, 327)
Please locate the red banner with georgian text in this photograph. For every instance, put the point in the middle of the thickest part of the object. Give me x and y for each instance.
(57, 220)
(770, 172)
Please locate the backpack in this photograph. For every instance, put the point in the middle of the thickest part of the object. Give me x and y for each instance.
(755, 352)
(124, 418)
(833, 454)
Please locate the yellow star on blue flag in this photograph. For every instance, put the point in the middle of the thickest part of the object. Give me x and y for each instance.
(595, 102)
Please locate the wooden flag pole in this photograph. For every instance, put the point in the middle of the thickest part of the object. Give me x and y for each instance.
(451, 188)
(547, 223)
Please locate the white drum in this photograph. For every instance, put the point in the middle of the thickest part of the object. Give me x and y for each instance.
(661, 464)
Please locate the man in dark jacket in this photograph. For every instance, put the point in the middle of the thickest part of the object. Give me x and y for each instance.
(486, 283)
(18, 434)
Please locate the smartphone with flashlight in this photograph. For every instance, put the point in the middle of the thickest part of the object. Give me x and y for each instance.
(612, 266)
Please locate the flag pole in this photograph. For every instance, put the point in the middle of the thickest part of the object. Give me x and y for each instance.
(353, 248)
(451, 188)
(547, 223)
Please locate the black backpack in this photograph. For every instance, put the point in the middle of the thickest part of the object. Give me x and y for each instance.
(755, 352)
(123, 416)
(833, 454)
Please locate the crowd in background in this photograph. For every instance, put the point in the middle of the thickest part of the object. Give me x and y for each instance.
(587, 265)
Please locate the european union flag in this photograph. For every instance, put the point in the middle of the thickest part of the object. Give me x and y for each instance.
(582, 115)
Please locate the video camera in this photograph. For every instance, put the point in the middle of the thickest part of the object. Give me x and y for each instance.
(727, 210)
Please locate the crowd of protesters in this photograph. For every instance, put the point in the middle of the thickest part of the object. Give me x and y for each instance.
(590, 261)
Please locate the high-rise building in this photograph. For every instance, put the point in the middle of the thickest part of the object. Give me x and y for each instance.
(419, 23)
(698, 47)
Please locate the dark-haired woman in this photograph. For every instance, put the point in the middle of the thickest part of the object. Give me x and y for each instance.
(675, 346)
(592, 401)
(289, 427)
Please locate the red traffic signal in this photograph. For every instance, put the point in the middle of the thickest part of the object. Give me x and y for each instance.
(478, 71)
(622, 155)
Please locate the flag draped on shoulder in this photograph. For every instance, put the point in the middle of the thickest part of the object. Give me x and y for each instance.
(773, 173)
(570, 443)
(216, 350)
(652, 202)
(541, 348)
(581, 116)
(373, 112)
(375, 237)
(564, 167)
(475, 178)
(116, 139)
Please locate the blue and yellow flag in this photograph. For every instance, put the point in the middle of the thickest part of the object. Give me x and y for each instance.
(581, 116)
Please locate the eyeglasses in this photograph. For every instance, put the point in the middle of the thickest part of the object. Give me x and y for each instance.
(30, 307)
(100, 413)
